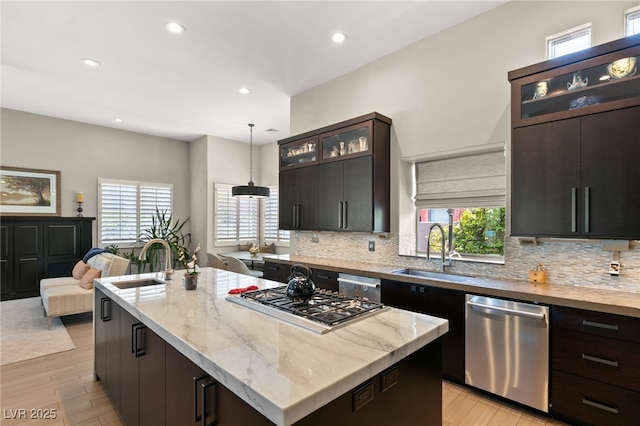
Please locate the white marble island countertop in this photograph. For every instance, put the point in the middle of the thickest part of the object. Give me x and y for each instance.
(283, 371)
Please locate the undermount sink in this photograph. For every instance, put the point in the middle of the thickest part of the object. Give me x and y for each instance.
(137, 283)
(431, 274)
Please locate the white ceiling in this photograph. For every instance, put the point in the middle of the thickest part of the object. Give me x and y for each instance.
(184, 86)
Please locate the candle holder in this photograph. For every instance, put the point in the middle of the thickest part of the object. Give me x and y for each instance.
(79, 209)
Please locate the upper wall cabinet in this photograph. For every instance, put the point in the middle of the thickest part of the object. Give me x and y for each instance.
(599, 79)
(348, 189)
(574, 154)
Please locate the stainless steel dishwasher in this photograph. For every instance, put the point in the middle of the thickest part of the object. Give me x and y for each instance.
(507, 349)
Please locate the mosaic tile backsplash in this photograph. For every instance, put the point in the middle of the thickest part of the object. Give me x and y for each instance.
(572, 263)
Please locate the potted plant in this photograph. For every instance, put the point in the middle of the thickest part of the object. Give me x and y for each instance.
(164, 227)
(190, 263)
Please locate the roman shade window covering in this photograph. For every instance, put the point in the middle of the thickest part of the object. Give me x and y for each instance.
(475, 180)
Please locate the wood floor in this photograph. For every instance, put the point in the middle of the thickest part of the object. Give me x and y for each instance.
(64, 382)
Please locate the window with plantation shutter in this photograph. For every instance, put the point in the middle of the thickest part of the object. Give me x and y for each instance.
(271, 231)
(632, 21)
(236, 219)
(125, 208)
(569, 41)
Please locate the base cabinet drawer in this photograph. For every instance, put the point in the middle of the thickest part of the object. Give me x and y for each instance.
(589, 402)
(611, 361)
(596, 323)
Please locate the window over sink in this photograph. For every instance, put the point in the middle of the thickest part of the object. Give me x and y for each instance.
(471, 189)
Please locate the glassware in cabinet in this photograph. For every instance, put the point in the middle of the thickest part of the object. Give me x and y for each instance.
(299, 153)
(350, 141)
(601, 83)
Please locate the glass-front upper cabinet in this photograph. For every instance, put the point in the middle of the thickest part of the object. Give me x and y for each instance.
(601, 83)
(300, 153)
(347, 142)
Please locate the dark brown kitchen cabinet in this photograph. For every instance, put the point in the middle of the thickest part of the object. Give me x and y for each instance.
(186, 384)
(574, 145)
(275, 271)
(577, 177)
(33, 248)
(595, 371)
(129, 362)
(107, 338)
(345, 197)
(298, 203)
(350, 163)
(324, 279)
(439, 302)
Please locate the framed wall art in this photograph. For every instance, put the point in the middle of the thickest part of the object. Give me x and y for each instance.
(29, 192)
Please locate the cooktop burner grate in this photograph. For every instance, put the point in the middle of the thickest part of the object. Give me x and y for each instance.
(325, 307)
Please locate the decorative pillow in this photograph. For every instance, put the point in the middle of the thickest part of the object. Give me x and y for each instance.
(271, 248)
(79, 270)
(244, 247)
(87, 280)
(102, 262)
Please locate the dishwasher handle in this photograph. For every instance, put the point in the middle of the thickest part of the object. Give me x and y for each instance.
(362, 283)
(525, 314)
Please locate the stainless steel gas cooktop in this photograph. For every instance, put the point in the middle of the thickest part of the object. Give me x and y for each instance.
(324, 312)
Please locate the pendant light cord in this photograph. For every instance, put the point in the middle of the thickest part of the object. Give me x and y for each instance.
(251, 154)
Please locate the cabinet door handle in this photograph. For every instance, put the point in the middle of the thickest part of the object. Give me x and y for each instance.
(134, 340)
(196, 416)
(105, 309)
(295, 214)
(613, 410)
(345, 215)
(340, 214)
(204, 403)
(574, 209)
(587, 200)
(298, 215)
(613, 327)
(324, 277)
(599, 360)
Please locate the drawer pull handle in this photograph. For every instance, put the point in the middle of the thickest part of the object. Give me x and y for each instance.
(600, 325)
(600, 360)
(613, 410)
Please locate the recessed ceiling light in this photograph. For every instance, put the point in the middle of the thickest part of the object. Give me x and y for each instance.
(605, 77)
(90, 62)
(175, 28)
(339, 37)
(244, 90)
(117, 120)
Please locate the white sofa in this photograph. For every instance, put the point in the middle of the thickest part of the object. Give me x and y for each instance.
(64, 295)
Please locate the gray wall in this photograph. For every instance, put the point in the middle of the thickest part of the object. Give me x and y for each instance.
(450, 92)
(85, 152)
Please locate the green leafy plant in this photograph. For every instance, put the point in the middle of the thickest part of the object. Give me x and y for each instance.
(480, 231)
(112, 248)
(163, 226)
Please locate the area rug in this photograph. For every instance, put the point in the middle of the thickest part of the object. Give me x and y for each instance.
(24, 333)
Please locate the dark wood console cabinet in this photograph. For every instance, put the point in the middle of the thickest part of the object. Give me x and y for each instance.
(32, 248)
(574, 150)
(337, 178)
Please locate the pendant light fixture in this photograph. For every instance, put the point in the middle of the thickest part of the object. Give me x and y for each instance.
(250, 190)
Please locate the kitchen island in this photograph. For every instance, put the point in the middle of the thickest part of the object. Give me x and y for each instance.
(387, 362)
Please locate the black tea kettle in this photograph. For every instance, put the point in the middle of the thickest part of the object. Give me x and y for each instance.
(300, 287)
